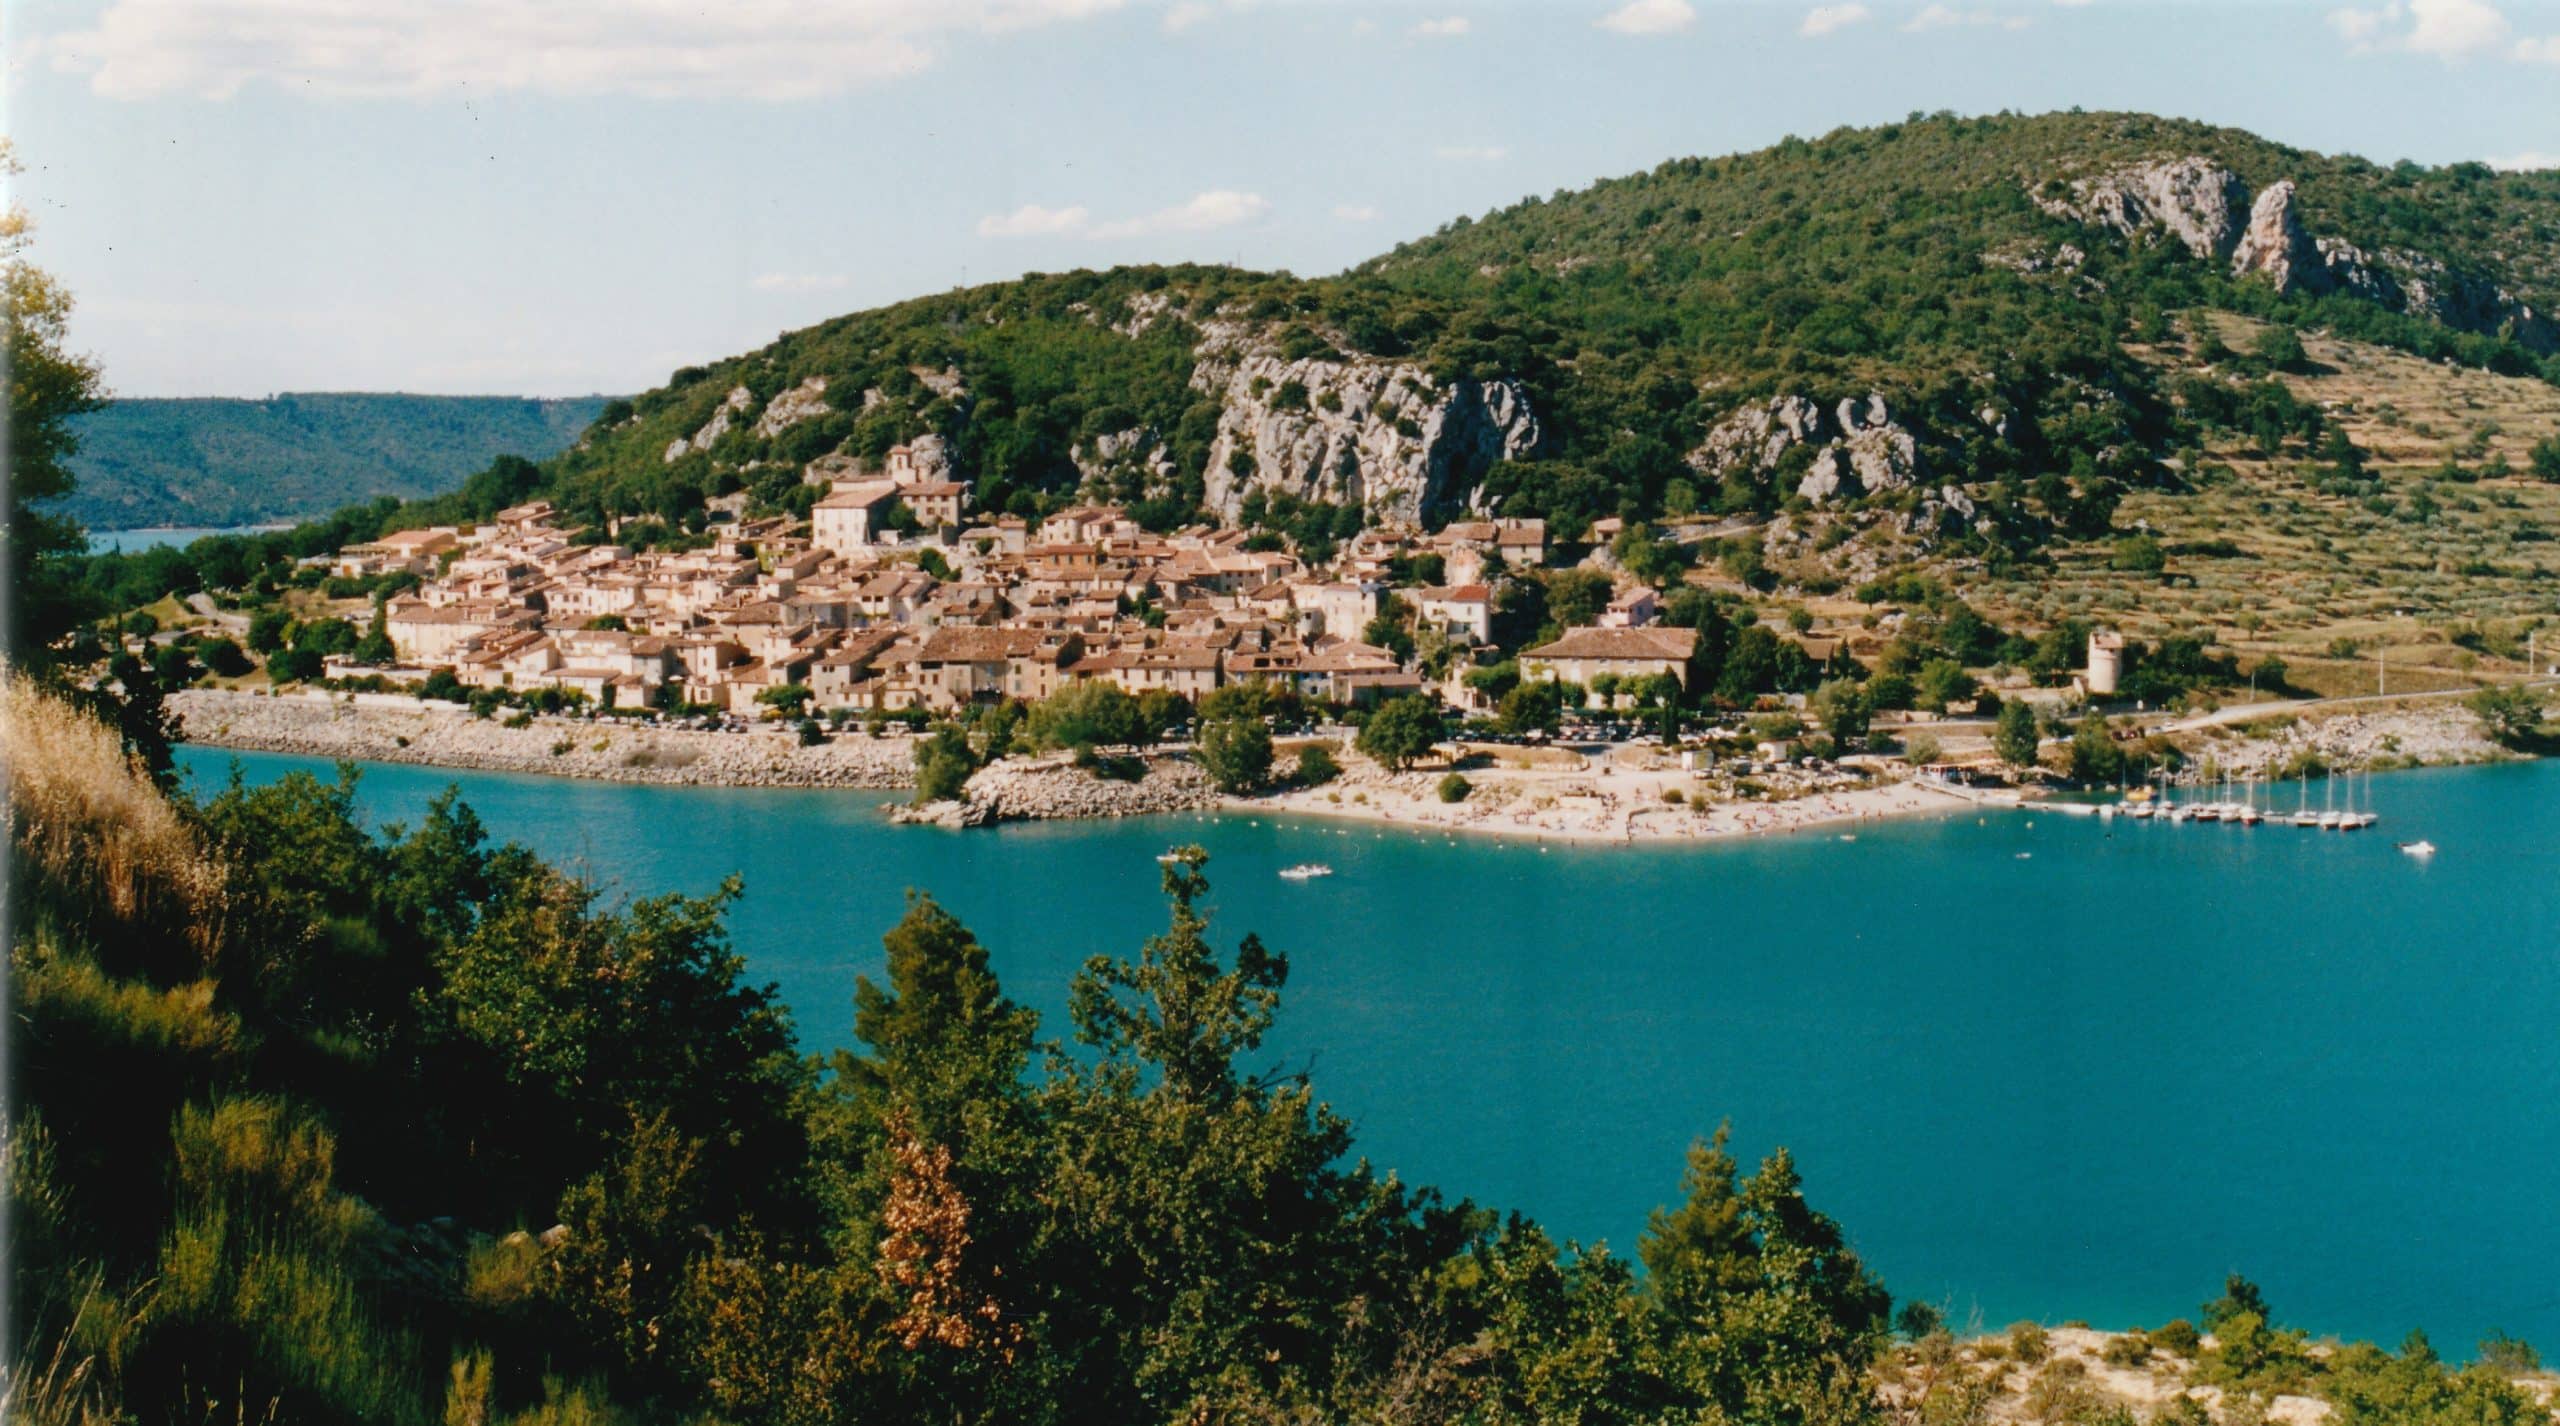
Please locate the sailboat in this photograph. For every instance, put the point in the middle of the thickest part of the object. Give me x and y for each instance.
(2249, 816)
(2329, 805)
(2303, 816)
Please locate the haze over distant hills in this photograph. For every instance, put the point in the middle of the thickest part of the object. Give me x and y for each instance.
(209, 461)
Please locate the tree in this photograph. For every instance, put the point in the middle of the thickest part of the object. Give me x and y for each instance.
(2095, 758)
(1840, 706)
(2014, 736)
(1575, 597)
(2139, 554)
(2545, 462)
(1160, 711)
(1401, 730)
(1176, 1008)
(1087, 714)
(270, 630)
(1759, 1306)
(1236, 753)
(2281, 348)
(944, 762)
(785, 699)
(1531, 708)
(48, 388)
(1941, 682)
(2510, 714)
(2270, 674)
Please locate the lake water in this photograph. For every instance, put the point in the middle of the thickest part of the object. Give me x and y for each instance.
(134, 541)
(2083, 1083)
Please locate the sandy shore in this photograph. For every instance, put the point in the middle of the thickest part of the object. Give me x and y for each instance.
(1569, 800)
(1596, 807)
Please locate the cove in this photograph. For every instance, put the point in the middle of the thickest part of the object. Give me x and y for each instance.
(2080, 1083)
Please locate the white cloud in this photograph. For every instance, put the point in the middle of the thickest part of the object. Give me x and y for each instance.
(2543, 49)
(797, 281)
(1447, 28)
(1946, 17)
(1823, 19)
(1472, 153)
(2447, 29)
(1185, 15)
(2530, 161)
(1355, 212)
(1650, 17)
(657, 49)
(2071, 4)
(1217, 208)
(1033, 221)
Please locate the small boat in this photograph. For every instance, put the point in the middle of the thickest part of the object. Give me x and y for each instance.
(1168, 858)
(1305, 871)
(2421, 850)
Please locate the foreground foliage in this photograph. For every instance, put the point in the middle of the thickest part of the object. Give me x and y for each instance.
(324, 1123)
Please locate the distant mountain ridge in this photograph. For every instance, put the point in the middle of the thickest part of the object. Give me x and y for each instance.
(218, 461)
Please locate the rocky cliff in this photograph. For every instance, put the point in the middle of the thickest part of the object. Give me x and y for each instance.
(2209, 211)
(1356, 431)
(1856, 448)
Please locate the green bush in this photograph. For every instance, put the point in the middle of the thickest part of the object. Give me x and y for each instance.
(1455, 787)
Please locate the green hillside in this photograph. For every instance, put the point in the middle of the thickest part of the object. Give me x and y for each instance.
(194, 461)
(1911, 261)
(1952, 347)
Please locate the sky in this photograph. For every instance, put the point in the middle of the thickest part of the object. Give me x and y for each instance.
(572, 196)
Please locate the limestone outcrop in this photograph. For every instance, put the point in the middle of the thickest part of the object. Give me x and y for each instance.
(2208, 210)
(1380, 435)
(805, 402)
(2197, 203)
(732, 406)
(1858, 448)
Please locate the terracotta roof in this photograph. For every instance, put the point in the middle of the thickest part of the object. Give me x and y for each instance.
(1658, 642)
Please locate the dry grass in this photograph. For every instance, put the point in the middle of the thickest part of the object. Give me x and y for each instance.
(85, 817)
(2267, 563)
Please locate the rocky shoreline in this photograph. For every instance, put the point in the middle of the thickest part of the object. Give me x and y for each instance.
(1048, 789)
(389, 728)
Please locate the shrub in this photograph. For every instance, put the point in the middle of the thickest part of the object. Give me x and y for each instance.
(2131, 1349)
(2178, 1336)
(2028, 1342)
(1316, 766)
(1455, 787)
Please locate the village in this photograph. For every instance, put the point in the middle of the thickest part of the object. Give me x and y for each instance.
(891, 597)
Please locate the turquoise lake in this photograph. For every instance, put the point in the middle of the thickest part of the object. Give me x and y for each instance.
(2079, 1084)
(133, 542)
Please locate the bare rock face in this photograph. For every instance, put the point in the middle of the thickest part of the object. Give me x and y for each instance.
(2201, 206)
(2196, 202)
(932, 457)
(2276, 246)
(730, 408)
(1135, 458)
(1370, 433)
(805, 402)
(1858, 448)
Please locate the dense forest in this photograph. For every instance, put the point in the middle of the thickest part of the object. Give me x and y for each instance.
(204, 461)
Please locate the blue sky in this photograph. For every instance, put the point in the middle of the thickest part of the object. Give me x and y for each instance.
(250, 196)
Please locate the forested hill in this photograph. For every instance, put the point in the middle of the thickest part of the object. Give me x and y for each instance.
(1927, 322)
(202, 461)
